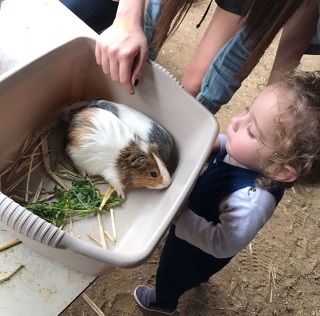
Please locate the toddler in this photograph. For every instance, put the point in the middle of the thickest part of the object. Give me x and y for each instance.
(274, 145)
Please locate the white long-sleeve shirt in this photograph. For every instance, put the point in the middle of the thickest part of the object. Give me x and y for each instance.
(243, 213)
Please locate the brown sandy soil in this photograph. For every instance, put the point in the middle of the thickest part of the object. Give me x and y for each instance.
(278, 275)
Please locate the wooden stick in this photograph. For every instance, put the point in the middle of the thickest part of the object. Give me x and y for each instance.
(70, 164)
(37, 194)
(273, 275)
(48, 197)
(27, 143)
(46, 162)
(10, 244)
(28, 155)
(111, 238)
(304, 221)
(101, 231)
(95, 240)
(16, 168)
(113, 225)
(71, 227)
(98, 180)
(6, 278)
(68, 174)
(92, 304)
(13, 186)
(106, 197)
(17, 198)
(21, 163)
(270, 300)
(29, 173)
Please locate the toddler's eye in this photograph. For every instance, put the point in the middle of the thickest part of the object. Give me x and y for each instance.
(249, 132)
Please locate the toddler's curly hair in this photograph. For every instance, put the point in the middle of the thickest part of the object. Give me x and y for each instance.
(296, 141)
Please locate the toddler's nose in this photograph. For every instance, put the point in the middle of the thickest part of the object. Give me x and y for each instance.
(235, 123)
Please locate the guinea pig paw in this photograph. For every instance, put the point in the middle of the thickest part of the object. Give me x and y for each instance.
(121, 194)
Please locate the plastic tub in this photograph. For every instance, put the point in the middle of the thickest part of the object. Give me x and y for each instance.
(34, 95)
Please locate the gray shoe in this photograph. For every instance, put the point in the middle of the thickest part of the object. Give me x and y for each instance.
(145, 297)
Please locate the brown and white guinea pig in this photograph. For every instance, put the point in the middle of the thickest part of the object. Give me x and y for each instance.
(99, 143)
(147, 129)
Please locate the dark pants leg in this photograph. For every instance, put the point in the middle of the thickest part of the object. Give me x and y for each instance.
(98, 14)
(181, 268)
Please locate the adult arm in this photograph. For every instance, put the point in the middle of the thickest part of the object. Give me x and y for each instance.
(222, 27)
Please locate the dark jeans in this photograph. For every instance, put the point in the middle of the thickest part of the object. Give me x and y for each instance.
(182, 267)
(98, 14)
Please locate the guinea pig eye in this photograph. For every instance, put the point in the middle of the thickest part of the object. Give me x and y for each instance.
(153, 174)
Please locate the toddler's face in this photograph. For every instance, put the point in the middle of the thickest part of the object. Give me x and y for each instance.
(250, 134)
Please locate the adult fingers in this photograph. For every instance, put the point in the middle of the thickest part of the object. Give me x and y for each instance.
(98, 54)
(137, 66)
(102, 59)
(114, 69)
(125, 73)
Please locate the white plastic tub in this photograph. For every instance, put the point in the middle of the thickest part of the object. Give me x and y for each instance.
(34, 95)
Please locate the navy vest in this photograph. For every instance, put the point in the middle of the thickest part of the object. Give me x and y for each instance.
(219, 180)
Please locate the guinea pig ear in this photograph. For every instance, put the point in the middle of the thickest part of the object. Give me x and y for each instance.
(137, 139)
(138, 161)
(154, 148)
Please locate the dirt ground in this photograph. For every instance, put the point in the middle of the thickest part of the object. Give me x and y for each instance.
(279, 274)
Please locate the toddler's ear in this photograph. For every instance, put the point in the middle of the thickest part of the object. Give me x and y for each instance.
(287, 174)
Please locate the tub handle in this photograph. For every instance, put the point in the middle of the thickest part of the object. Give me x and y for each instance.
(25, 222)
(19, 219)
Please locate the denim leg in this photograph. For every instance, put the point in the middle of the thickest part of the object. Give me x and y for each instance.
(182, 267)
(220, 82)
(97, 14)
(151, 17)
(314, 46)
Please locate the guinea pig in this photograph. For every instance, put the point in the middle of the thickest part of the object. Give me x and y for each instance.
(99, 143)
(147, 129)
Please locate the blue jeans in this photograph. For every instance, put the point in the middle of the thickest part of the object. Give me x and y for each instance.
(314, 47)
(150, 20)
(182, 267)
(220, 82)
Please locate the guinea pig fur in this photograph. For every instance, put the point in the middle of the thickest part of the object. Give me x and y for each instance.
(101, 144)
(143, 126)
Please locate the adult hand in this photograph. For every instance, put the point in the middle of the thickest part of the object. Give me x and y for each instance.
(122, 51)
